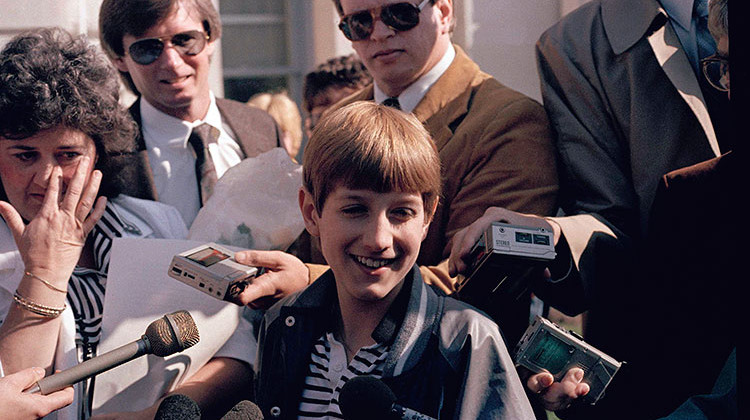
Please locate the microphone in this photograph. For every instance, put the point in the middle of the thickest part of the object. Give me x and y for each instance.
(244, 410)
(367, 397)
(178, 407)
(167, 335)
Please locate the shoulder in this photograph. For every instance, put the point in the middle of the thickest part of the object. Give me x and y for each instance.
(582, 19)
(231, 109)
(164, 221)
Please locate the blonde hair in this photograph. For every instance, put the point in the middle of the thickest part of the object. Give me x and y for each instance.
(365, 145)
(286, 114)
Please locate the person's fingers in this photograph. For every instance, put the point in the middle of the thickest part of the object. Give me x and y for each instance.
(58, 399)
(272, 260)
(260, 287)
(88, 196)
(25, 378)
(76, 186)
(12, 219)
(465, 239)
(539, 382)
(54, 185)
(95, 215)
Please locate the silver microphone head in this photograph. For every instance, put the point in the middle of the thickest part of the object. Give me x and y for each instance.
(172, 333)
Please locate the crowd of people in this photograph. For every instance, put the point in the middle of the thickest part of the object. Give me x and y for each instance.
(412, 152)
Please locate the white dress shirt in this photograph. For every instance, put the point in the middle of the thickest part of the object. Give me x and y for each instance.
(410, 97)
(172, 160)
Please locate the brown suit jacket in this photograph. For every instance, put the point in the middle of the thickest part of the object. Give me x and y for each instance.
(255, 129)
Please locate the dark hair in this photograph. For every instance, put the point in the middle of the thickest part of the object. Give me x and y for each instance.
(342, 71)
(48, 78)
(120, 17)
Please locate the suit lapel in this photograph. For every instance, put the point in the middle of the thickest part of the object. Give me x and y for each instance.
(144, 186)
(448, 99)
(674, 62)
(643, 16)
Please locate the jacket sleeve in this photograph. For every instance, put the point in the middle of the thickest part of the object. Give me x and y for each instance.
(491, 387)
(597, 194)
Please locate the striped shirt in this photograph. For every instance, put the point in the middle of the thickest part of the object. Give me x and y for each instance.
(86, 285)
(329, 371)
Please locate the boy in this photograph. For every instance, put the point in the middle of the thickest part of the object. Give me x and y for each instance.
(371, 186)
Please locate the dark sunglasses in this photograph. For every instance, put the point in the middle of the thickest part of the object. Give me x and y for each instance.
(145, 51)
(397, 16)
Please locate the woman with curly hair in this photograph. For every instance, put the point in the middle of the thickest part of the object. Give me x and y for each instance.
(65, 145)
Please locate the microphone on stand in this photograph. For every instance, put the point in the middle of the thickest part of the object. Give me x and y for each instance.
(167, 335)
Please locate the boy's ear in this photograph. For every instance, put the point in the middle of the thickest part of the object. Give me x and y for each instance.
(426, 227)
(309, 213)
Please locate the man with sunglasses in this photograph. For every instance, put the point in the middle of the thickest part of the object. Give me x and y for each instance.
(494, 143)
(163, 50)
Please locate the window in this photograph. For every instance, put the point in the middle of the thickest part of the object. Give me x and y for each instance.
(265, 46)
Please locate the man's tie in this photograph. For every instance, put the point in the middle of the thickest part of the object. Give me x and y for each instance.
(392, 102)
(205, 171)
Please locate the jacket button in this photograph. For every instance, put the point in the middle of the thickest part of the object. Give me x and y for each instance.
(276, 411)
(289, 321)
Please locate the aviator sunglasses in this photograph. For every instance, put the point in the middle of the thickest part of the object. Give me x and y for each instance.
(145, 51)
(397, 16)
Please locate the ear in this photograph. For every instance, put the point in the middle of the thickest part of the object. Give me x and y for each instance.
(120, 64)
(210, 47)
(309, 212)
(445, 10)
(426, 227)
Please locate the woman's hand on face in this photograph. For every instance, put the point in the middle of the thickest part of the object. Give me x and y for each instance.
(51, 243)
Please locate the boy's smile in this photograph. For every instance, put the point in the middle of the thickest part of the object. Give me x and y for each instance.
(371, 240)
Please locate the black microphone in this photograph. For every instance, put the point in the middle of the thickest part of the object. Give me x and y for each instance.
(244, 410)
(178, 407)
(367, 397)
(169, 334)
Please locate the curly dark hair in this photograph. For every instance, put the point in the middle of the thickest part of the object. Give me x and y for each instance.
(342, 71)
(49, 78)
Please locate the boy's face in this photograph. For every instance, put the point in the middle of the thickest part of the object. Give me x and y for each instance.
(371, 240)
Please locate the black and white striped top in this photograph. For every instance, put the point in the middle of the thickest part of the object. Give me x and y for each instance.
(329, 371)
(86, 285)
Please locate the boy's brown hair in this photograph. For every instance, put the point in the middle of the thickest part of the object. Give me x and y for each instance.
(365, 145)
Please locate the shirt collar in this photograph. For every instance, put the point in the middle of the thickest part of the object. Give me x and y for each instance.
(679, 11)
(410, 97)
(164, 130)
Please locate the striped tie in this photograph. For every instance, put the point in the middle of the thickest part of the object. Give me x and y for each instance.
(205, 171)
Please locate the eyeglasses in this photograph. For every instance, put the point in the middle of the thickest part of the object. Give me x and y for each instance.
(145, 51)
(716, 70)
(397, 16)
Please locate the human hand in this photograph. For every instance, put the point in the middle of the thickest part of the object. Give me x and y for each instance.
(464, 239)
(558, 395)
(284, 275)
(17, 405)
(51, 243)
